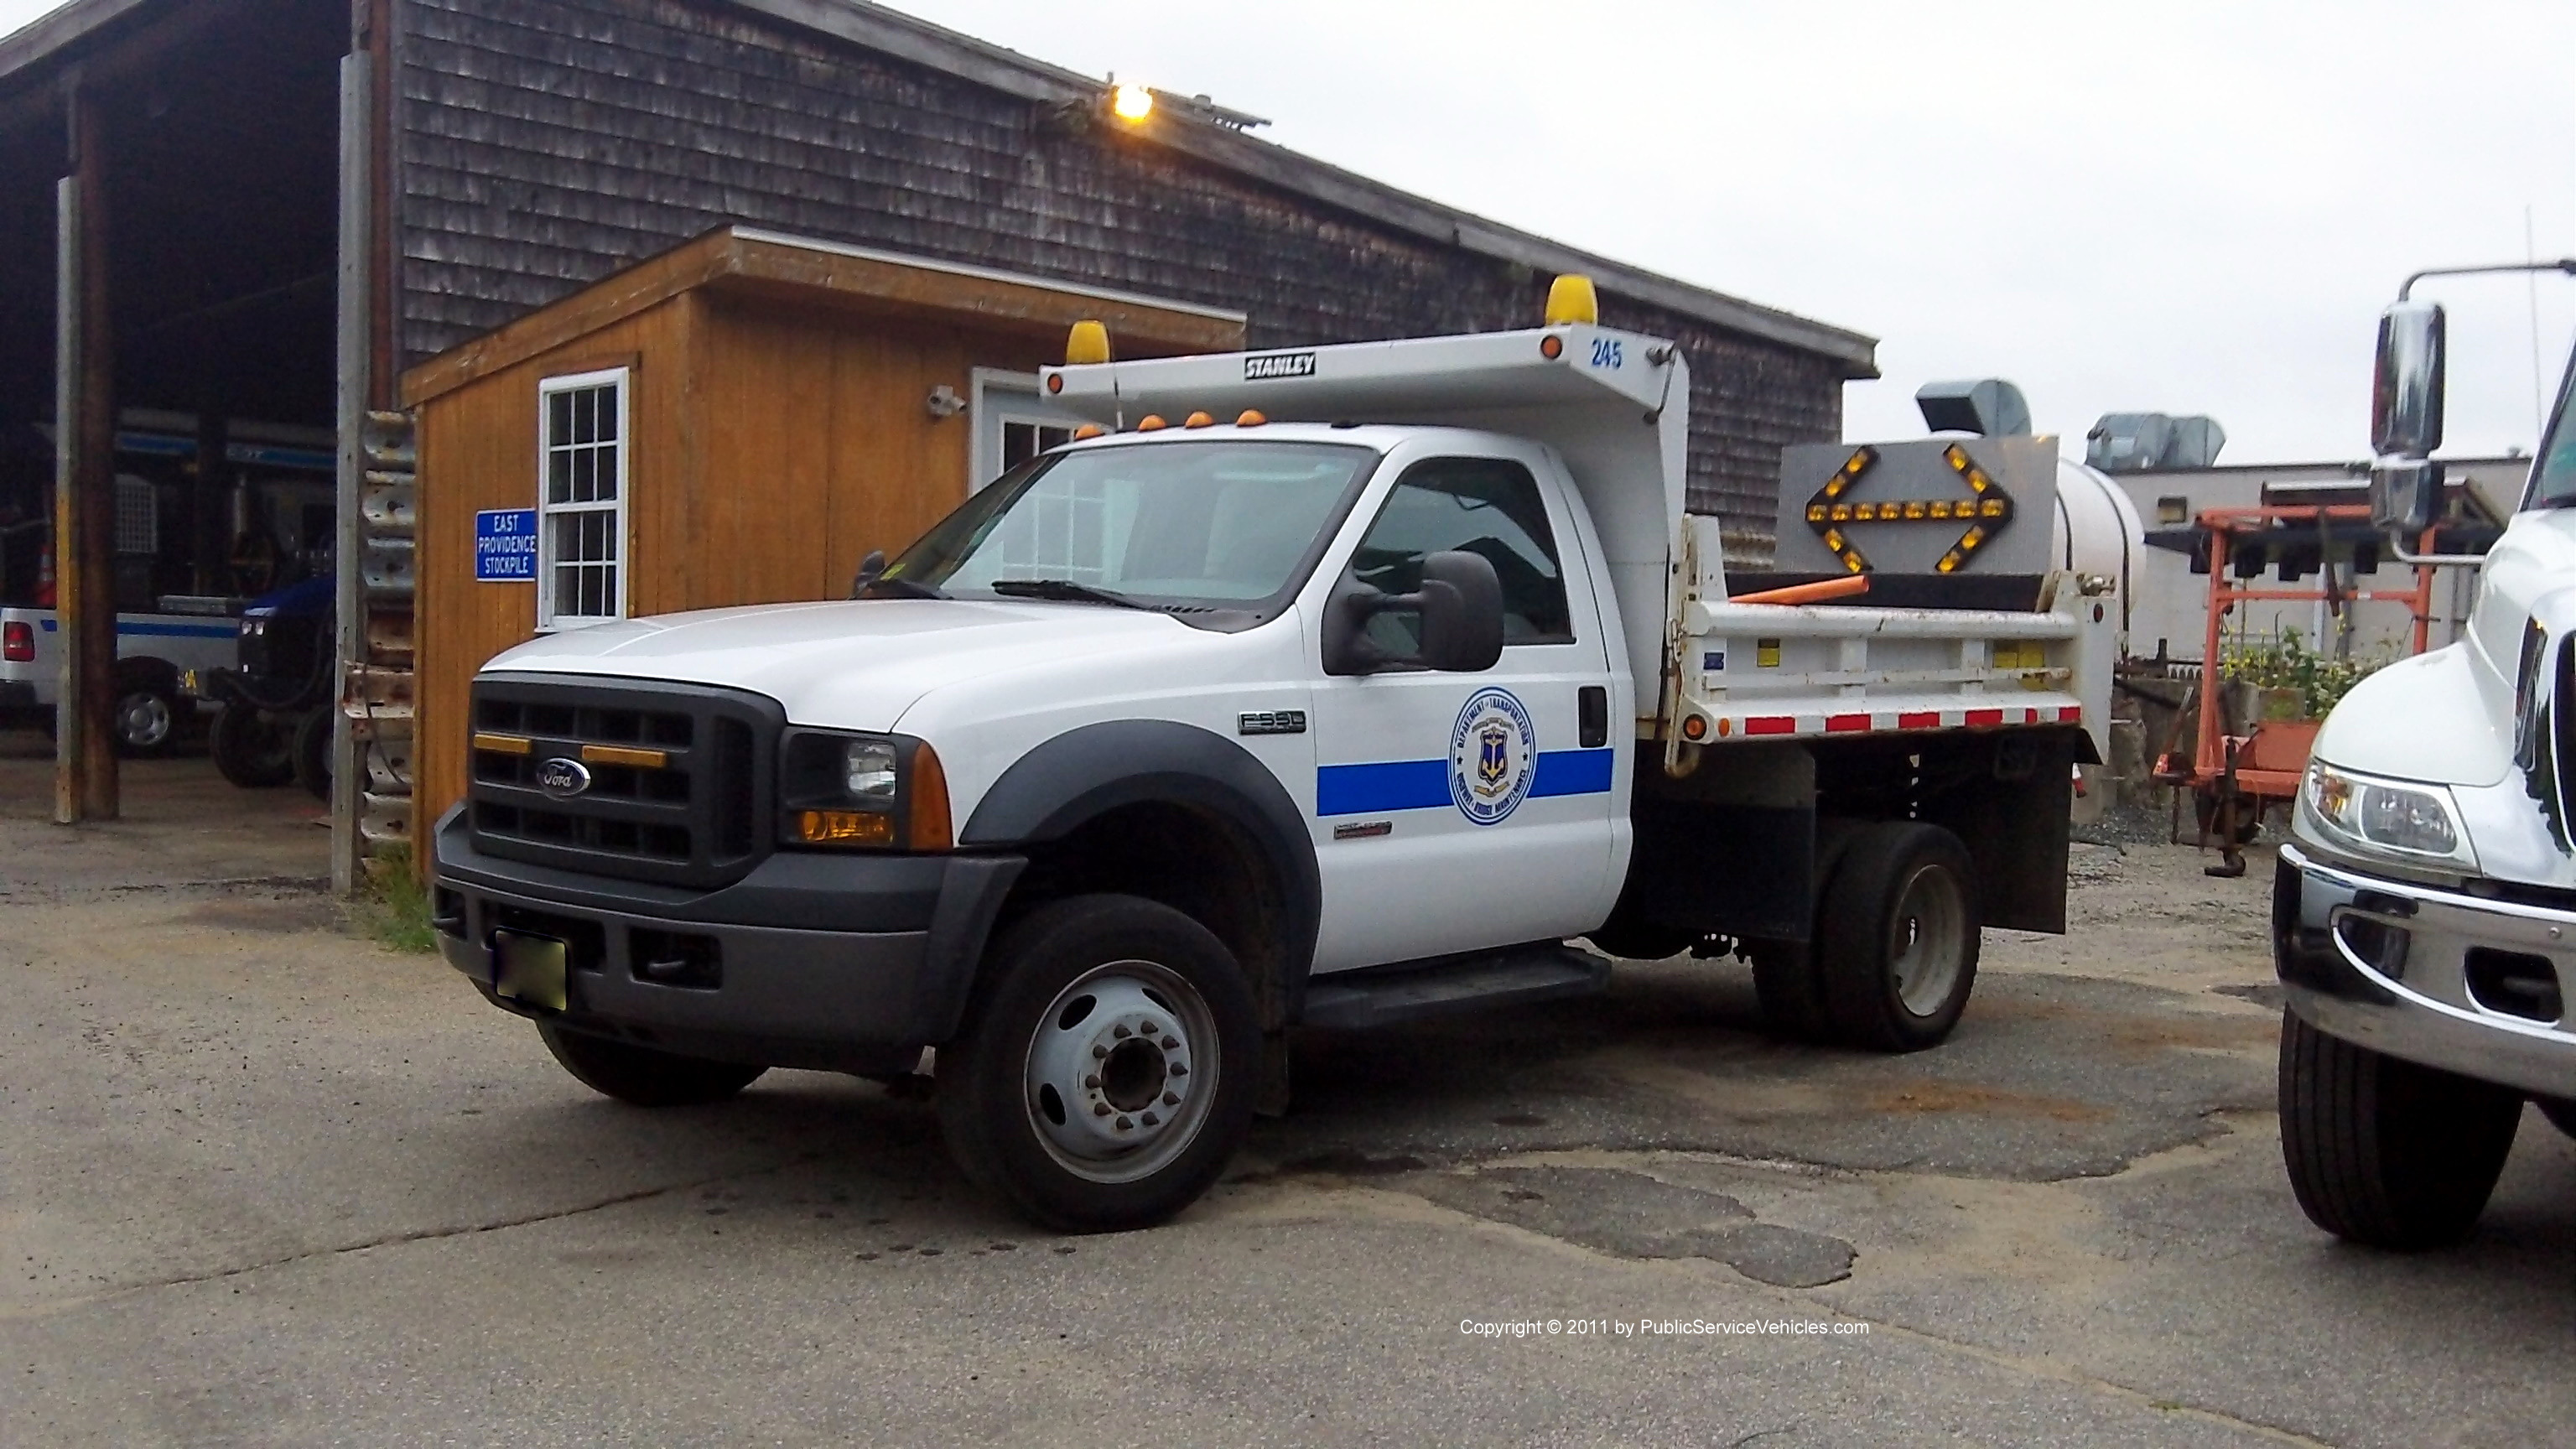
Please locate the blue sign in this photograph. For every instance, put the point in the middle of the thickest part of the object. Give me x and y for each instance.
(505, 545)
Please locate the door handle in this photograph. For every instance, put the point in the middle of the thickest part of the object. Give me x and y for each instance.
(1592, 707)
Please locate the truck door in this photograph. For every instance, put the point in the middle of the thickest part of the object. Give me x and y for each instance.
(1461, 811)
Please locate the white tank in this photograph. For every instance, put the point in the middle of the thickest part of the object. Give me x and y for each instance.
(2097, 532)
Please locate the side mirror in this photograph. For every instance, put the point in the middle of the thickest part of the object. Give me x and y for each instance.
(2405, 496)
(2406, 392)
(871, 569)
(1462, 613)
(1460, 605)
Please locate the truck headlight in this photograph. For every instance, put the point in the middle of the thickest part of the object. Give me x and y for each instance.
(882, 792)
(2395, 821)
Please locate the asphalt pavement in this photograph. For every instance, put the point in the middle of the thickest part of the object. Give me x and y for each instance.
(263, 1181)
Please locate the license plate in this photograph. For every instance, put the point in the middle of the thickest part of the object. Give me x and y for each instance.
(531, 970)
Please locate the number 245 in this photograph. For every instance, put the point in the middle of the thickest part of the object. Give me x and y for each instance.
(1605, 352)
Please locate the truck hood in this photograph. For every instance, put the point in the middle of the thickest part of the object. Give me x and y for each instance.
(845, 664)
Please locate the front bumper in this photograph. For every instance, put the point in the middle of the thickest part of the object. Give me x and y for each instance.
(848, 963)
(2428, 975)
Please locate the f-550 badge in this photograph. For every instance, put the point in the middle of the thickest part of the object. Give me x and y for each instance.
(1493, 757)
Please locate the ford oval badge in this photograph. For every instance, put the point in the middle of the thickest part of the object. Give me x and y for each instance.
(563, 778)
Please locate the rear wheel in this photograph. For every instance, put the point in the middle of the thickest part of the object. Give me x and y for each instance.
(1791, 993)
(252, 749)
(1106, 1070)
(642, 1076)
(2382, 1151)
(147, 715)
(1897, 943)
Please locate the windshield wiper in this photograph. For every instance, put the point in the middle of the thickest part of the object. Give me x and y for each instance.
(1065, 589)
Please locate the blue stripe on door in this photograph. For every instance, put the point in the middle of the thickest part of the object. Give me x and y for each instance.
(1572, 772)
(1424, 784)
(1389, 785)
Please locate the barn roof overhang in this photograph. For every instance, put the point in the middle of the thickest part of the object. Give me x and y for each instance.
(80, 24)
(747, 261)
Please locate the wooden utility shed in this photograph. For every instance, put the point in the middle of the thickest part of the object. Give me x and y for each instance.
(745, 417)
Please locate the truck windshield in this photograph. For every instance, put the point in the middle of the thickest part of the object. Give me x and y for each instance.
(2553, 479)
(1192, 527)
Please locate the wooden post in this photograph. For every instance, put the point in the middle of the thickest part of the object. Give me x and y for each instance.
(356, 369)
(86, 783)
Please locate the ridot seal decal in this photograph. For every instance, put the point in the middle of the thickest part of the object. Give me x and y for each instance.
(1493, 756)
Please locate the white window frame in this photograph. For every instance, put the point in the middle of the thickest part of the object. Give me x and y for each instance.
(997, 398)
(549, 618)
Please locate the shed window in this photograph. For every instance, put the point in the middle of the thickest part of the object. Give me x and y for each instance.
(582, 499)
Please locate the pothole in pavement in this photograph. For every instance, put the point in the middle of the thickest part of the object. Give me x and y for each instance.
(1634, 1216)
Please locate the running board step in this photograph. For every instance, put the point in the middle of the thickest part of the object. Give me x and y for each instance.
(1386, 995)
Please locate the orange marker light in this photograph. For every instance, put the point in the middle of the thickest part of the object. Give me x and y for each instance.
(1087, 432)
(1151, 423)
(1198, 420)
(844, 827)
(1551, 347)
(1055, 382)
(1695, 728)
(1250, 418)
(929, 828)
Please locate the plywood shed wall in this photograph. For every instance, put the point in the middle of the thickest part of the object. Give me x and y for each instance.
(778, 431)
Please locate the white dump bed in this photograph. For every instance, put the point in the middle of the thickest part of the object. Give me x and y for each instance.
(1615, 406)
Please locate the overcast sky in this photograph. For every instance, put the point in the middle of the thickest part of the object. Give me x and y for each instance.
(2177, 207)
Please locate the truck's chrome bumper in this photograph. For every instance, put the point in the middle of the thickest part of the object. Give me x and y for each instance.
(2472, 986)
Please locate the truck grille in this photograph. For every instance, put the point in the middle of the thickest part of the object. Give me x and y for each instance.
(673, 781)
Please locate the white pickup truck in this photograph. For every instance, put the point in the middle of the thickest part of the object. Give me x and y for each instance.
(155, 655)
(1330, 687)
(2424, 920)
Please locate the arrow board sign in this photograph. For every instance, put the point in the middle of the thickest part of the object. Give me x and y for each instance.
(1933, 506)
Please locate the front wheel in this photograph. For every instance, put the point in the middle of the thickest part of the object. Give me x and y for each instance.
(1897, 943)
(641, 1076)
(1106, 1070)
(2385, 1152)
(313, 753)
(251, 748)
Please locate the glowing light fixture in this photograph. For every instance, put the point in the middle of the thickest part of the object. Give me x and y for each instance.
(1131, 102)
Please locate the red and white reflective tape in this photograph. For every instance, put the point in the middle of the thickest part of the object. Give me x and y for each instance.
(1893, 721)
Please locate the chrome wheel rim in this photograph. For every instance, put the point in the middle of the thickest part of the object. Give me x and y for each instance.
(1121, 1072)
(1927, 948)
(143, 719)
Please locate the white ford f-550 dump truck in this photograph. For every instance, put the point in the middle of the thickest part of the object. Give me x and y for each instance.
(1350, 693)
(2424, 920)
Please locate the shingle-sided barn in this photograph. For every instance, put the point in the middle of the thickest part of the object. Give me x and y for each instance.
(278, 208)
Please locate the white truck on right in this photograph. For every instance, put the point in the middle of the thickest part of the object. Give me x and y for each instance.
(2424, 917)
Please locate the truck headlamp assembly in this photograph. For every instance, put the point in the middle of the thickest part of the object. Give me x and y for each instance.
(2405, 822)
(880, 792)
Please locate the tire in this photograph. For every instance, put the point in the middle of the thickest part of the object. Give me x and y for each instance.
(1897, 940)
(147, 720)
(641, 1076)
(2561, 1112)
(251, 748)
(1792, 994)
(1160, 1006)
(313, 754)
(2384, 1152)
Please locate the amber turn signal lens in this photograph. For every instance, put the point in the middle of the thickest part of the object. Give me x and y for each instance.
(1551, 347)
(845, 827)
(930, 828)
